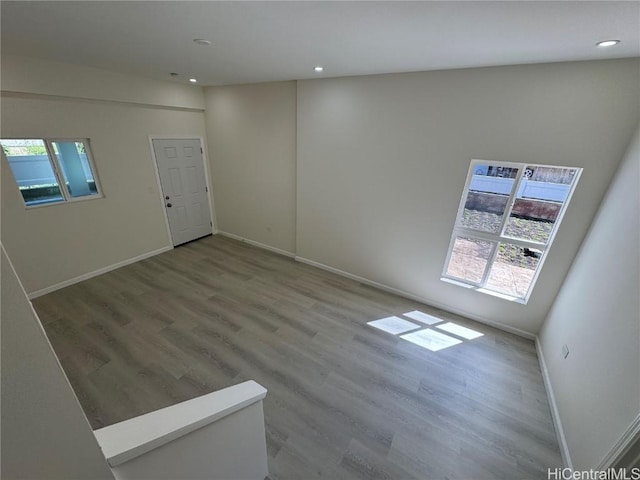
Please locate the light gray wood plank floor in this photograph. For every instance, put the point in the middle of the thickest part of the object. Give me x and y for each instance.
(345, 400)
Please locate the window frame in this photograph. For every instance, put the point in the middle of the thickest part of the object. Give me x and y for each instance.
(495, 239)
(54, 161)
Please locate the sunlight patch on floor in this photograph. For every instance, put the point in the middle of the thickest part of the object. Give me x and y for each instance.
(428, 338)
(459, 330)
(423, 317)
(393, 325)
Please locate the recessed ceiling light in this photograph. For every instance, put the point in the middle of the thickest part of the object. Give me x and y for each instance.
(607, 43)
(193, 80)
(318, 69)
(201, 41)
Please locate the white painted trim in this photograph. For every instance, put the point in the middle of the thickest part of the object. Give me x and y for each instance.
(95, 273)
(209, 180)
(131, 438)
(469, 286)
(255, 244)
(427, 301)
(555, 413)
(630, 435)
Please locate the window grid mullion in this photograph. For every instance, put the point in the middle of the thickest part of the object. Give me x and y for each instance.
(489, 266)
(512, 200)
(499, 237)
(460, 231)
(92, 166)
(53, 158)
(492, 237)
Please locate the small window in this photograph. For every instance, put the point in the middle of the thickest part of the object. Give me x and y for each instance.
(508, 216)
(51, 171)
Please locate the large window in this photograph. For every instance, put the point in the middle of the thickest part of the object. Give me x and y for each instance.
(52, 170)
(508, 216)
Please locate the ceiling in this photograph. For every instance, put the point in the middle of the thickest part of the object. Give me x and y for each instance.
(268, 41)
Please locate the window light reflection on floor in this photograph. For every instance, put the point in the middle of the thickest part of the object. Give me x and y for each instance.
(393, 325)
(422, 317)
(428, 338)
(459, 330)
(431, 339)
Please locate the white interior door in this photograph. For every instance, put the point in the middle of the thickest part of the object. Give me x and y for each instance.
(184, 188)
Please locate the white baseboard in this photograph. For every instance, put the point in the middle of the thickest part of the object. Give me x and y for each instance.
(255, 244)
(472, 316)
(631, 434)
(555, 413)
(95, 273)
(427, 301)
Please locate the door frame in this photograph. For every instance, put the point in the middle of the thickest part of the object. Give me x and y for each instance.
(207, 177)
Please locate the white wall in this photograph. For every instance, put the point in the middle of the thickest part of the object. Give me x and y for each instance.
(251, 132)
(597, 314)
(56, 243)
(370, 185)
(382, 161)
(31, 75)
(44, 432)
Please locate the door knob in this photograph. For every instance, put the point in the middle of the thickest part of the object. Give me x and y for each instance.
(167, 197)
(169, 205)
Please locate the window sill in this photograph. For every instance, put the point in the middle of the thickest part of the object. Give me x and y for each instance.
(522, 301)
(86, 198)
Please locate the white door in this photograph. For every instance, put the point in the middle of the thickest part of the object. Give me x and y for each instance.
(184, 188)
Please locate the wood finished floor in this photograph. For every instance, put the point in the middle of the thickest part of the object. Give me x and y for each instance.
(345, 400)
